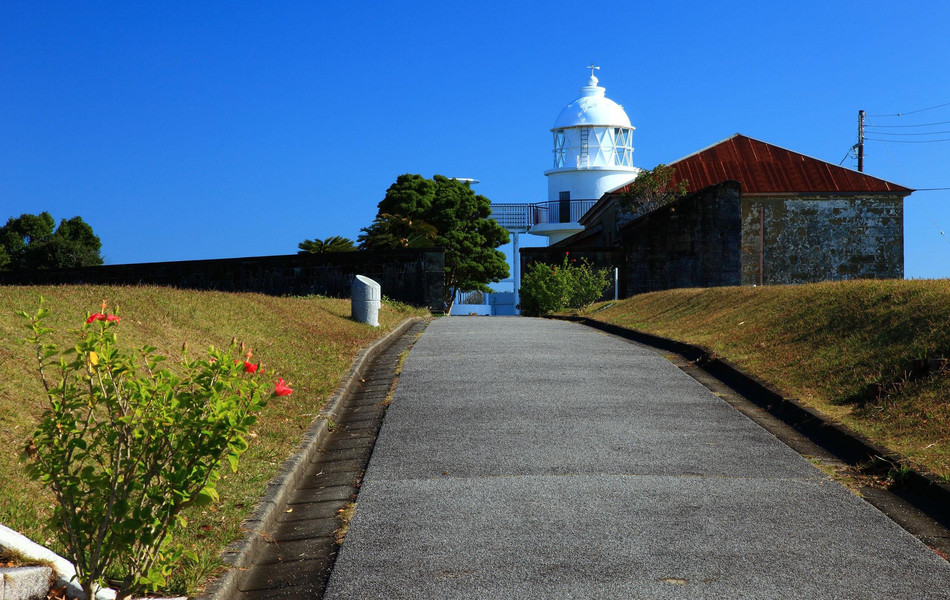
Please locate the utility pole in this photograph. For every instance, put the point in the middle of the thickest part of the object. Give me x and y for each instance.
(861, 141)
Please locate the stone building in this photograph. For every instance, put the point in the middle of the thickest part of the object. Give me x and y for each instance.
(754, 214)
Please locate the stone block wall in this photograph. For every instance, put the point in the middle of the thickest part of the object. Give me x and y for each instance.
(821, 238)
(414, 276)
(692, 242)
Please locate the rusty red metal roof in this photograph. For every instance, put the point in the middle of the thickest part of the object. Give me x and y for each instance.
(763, 168)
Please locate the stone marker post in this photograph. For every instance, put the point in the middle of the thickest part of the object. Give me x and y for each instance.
(366, 298)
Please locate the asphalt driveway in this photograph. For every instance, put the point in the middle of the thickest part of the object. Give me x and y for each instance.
(526, 458)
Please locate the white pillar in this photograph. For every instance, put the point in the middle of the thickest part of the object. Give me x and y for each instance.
(516, 266)
(365, 301)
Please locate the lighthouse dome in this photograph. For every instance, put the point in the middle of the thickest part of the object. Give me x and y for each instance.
(592, 108)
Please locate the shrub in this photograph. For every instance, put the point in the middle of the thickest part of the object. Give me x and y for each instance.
(587, 285)
(125, 445)
(545, 288)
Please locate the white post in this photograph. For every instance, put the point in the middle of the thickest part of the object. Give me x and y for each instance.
(366, 299)
(516, 267)
(616, 281)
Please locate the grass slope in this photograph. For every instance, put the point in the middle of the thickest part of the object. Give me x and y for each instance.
(823, 344)
(311, 342)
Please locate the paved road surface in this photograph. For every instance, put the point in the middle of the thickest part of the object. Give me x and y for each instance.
(525, 458)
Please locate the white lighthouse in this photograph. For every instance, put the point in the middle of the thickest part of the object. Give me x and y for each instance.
(593, 154)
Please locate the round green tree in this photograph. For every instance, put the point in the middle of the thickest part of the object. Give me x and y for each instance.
(34, 242)
(445, 213)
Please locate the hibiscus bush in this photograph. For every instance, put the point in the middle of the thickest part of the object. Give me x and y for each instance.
(572, 284)
(126, 444)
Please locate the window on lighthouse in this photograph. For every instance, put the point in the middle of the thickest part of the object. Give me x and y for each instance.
(559, 150)
(620, 145)
(624, 146)
(583, 155)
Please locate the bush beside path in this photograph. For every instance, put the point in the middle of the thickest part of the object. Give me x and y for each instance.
(311, 341)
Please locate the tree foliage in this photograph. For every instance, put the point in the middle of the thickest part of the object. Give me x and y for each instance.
(333, 243)
(33, 242)
(397, 231)
(446, 213)
(652, 189)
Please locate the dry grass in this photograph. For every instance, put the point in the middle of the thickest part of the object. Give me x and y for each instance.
(311, 342)
(824, 343)
(344, 515)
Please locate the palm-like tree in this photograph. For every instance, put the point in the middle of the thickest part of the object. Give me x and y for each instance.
(331, 244)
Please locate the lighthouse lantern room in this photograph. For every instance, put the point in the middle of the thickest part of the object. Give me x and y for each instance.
(593, 154)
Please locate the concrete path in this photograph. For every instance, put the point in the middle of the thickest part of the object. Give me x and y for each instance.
(524, 458)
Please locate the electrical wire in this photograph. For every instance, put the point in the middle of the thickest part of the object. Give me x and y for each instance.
(923, 205)
(920, 125)
(901, 114)
(910, 133)
(867, 139)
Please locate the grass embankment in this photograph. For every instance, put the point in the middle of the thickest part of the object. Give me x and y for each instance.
(824, 344)
(311, 342)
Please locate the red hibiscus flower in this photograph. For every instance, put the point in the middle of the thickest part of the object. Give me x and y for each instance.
(102, 317)
(281, 389)
(250, 367)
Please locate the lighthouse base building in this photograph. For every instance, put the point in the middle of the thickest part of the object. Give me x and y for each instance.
(755, 214)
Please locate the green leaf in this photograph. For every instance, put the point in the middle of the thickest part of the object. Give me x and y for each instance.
(206, 496)
(238, 444)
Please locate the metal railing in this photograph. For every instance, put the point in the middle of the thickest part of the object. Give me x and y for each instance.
(513, 217)
(521, 217)
(475, 297)
(560, 211)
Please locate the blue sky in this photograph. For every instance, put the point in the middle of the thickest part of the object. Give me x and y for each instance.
(204, 130)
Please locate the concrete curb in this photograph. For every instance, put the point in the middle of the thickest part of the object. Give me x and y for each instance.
(922, 490)
(240, 555)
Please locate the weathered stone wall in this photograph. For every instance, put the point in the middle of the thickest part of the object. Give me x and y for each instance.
(810, 239)
(692, 242)
(414, 276)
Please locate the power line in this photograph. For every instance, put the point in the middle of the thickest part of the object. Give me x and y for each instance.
(911, 112)
(867, 139)
(923, 204)
(920, 125)
(910, 133)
